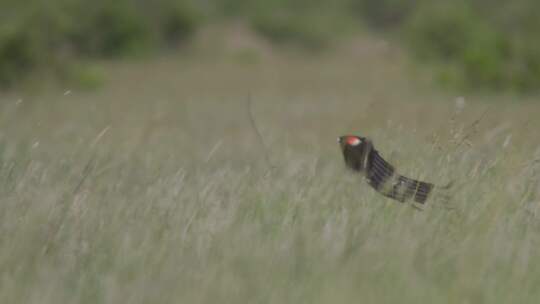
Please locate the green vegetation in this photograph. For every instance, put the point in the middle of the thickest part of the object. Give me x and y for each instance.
(310, 24)
(474, 44)
(480, 45)
(477, 44)
(158, 191)
(160, 188)
(56, 33)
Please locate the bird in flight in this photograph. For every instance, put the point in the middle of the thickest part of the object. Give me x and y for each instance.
(360, 156)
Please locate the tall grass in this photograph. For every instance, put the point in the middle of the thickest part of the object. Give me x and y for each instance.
(160, 193)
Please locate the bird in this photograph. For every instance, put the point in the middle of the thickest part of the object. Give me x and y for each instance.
(361, 156)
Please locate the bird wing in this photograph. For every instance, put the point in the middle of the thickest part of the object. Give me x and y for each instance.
(382, 177)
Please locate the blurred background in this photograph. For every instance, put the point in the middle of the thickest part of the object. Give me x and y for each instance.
(472, 44)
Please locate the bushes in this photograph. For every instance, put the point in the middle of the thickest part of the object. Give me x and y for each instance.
(26, 39)
(286, 27)
(52, 33)
(466, 45)
(109, 29)
(480, 49)
(16, 56)
(477, 43)
(177, 22)
(311, 24)
(384, 14)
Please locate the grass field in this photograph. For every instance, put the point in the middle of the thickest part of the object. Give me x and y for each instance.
(157, 188)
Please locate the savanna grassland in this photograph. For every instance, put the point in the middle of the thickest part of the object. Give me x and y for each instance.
(157, 188)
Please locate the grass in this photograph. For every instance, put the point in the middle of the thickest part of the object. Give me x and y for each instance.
(155, 189)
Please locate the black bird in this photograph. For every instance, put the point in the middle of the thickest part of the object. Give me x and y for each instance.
(360, 155)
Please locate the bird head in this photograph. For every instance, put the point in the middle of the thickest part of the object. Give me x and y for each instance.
(350, 141)
(355, 150)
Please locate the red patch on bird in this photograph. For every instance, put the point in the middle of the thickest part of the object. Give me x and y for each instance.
(353, 141)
